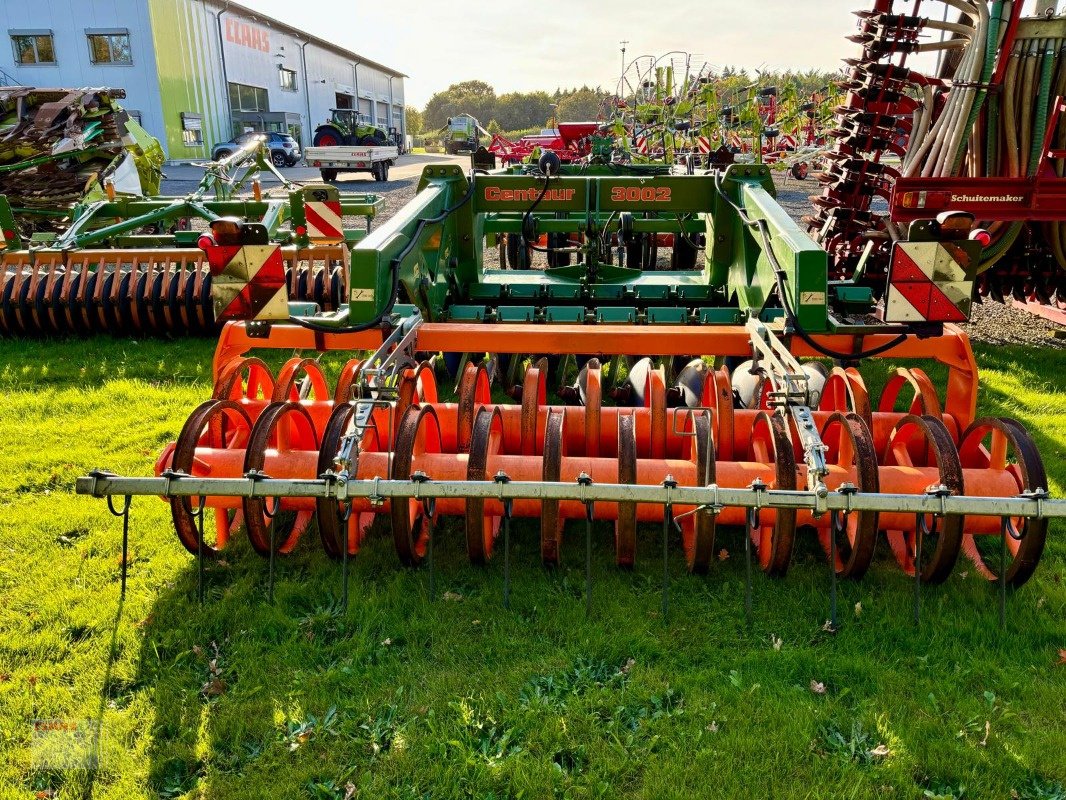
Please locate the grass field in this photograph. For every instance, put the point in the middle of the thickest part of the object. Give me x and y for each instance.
(404, 695)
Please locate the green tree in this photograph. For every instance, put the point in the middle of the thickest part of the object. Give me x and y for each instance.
(476, 98)
(414, 121)
(581, 105)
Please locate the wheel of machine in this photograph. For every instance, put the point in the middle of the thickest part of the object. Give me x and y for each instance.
(328, 175)
(924, 441)
(334, 531)
(625, 527)
(279, 159)
(683, 256)
(418, 433)
(698, 530)
(284, 425)
(852, 448)
(327, 136)
(771, 444)
(225, 425)
(1003, 444)
(474, 391)
(485, 442)
(551, 522)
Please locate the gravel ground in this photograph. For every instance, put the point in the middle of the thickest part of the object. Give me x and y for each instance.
(992, 323)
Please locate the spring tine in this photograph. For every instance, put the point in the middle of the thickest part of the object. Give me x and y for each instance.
(432, 573)
(918, 569)
(668, 514)
(507, 558)
(270, 574)
(1005, 525)
(200, 552)
(588, 560)
(753, 522)
(590, 509)
(345, 515)
(833, 527)
(125, 514)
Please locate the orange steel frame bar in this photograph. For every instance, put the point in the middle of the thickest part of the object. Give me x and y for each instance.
(951, 349)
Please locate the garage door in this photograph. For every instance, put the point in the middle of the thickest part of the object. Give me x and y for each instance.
(383, 114)
(364, 107)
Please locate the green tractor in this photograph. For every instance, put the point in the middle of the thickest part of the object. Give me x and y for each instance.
(347, 127)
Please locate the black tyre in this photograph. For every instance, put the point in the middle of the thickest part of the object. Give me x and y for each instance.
(684, 254)
(279, 159)
(328, 175)
(518, 255)
(328, 136)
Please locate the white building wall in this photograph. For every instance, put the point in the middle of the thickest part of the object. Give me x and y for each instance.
(254, 48)
(68, 20)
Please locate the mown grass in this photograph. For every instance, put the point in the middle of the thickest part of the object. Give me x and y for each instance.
(404, 695)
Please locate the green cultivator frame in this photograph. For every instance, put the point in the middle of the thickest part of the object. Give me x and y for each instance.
(741, 407)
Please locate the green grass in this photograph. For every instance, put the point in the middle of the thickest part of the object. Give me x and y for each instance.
(405, 696)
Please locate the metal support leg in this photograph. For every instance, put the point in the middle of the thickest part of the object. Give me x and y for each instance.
(125, 514)
(507, 555)
(753, 525)
(918, 569)
(590, 511)
(432, 572)
(200, 551)
(345, 515)
(429, 511)
(668, 515)
(1003, 573)
(271, 513)
(837, 523)
(508, 506)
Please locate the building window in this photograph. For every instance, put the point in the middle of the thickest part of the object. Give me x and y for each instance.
(33, 48)
(192, 133)
(248, 98)
(109, 47)
(288, 78)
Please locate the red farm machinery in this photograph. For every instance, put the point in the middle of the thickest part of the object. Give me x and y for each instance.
(953, 108)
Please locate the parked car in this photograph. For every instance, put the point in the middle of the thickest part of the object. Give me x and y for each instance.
(284, 150)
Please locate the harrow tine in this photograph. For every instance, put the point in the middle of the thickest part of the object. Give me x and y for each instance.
(838, 523)
(508, 506)
(584, 480)
(200, 549)
(270, 514)
(429, 557)
(753, 525)
(918, 536)
(344, 515)
(124, 513)
(668, 519)
(1006, 523)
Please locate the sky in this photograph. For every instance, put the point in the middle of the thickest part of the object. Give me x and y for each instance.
(544, 44)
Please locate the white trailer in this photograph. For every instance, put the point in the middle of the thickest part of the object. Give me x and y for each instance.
(332, 160)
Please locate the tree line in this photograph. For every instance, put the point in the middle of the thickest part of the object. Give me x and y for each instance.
(518, 111)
